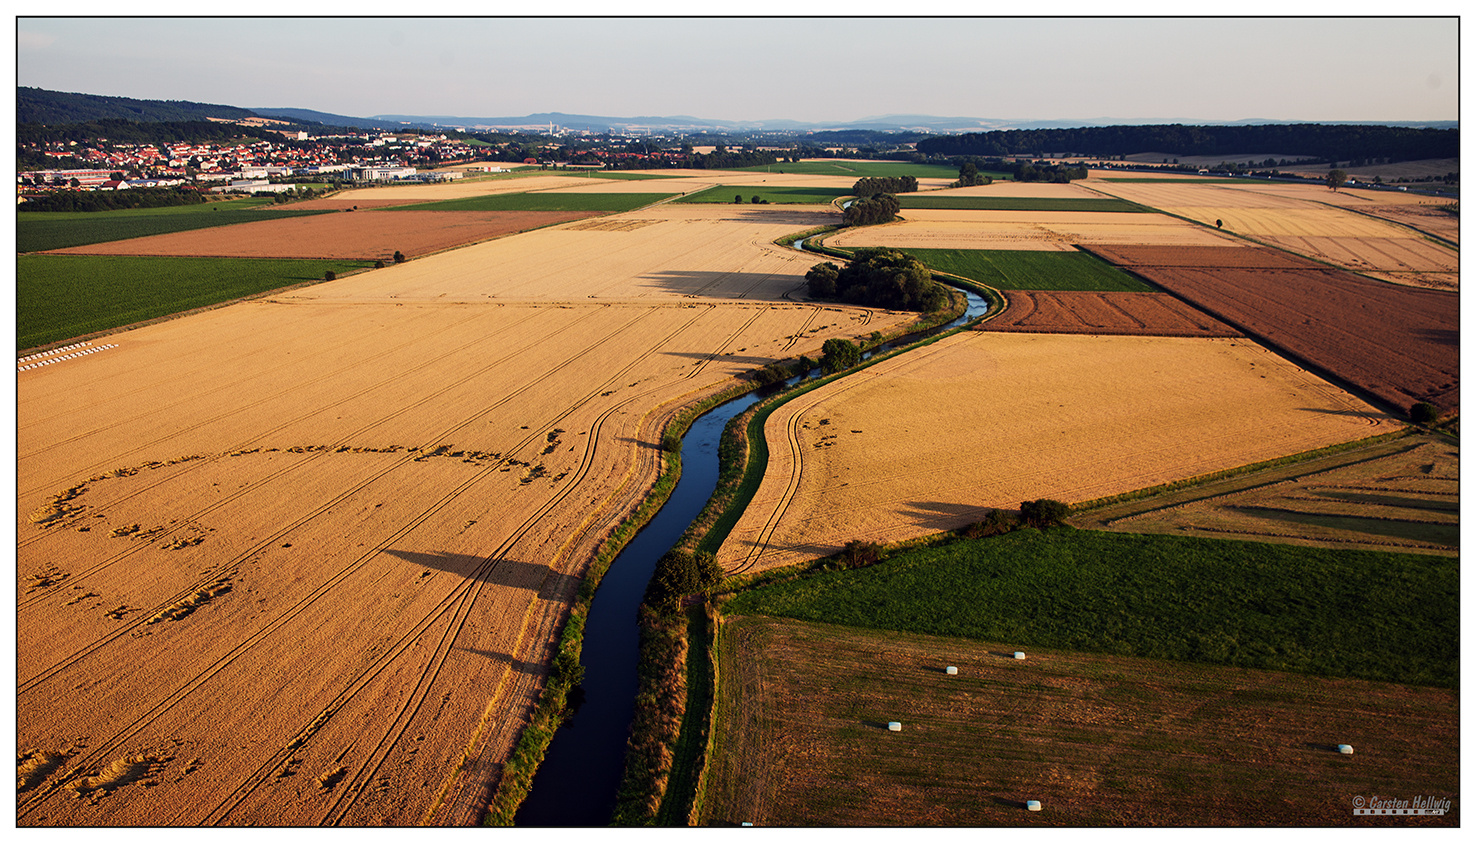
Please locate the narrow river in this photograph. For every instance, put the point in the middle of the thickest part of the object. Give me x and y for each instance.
(577, 782)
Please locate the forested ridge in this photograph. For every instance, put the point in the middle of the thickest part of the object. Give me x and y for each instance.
(1327, 142)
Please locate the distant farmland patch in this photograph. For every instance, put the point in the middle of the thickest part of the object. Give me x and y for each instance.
(356, 235)
(1017, 203)
(777, 195)
(604, 203)
(38, 231)
(1331, 612)
(64, 296)
(858, 169)
(1029, 269)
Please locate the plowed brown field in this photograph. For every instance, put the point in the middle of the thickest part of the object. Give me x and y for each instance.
(1101, 312)
(1400, 344)
(362, 235)
(301, 560)
(1311, 221)
(933, 439)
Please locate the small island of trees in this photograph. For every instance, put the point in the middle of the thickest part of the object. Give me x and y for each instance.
(881, 278)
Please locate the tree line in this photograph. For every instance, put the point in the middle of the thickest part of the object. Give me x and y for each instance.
(869, 211)
(1327, 142)
(879, 278)
(872, 185)
(113, 200)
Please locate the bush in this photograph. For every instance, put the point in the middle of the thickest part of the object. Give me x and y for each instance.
(1424, 413)
(859, 553)
(838, 354)
(671, 442)
(399, 257)
(378, 265)
(330, 276)
(1044, 512)
(679, 574)
(994, 524)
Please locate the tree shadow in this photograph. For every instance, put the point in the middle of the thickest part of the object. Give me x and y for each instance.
(496, 656)
(761, 287)
(549, 584)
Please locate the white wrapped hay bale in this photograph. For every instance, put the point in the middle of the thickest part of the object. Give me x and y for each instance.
(894, 726)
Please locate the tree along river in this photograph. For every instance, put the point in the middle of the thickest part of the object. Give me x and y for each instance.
(577, 782)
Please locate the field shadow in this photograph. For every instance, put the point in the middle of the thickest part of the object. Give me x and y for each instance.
(1005, 801)
(754, 360)
(496, 656)
(550, 585)
(875, 725)
(1439, 336)
(1321, 748)
(1358, 414)
(722, 285)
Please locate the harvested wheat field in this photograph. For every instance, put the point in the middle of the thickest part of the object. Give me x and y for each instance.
(700, 251)
(1399, 495)
(362, 235)
(1035, 190)
(1300, 219)
(933, 439)
(301, 561)
(1099, 740)
(1103, 312)
(1060, 231)
(1400, 344)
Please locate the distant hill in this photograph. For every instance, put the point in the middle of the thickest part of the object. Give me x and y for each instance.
(38, 105)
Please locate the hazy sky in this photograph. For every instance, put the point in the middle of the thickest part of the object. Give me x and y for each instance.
(813, 69)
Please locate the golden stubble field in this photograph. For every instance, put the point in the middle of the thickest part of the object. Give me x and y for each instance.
(1057, 231)
(933, 439)
(663, 252)
(1311, 221)
(300, 560)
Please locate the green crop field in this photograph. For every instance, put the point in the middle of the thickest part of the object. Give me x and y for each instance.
(59, 297)
(857, 169)
(1029, 269)
(1017, 203)
(1330, 612)
(724, 194)
(37, 231)
(608, 203)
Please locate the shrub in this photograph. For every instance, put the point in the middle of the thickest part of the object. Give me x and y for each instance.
(1044, 512)
(838, 354)
(679, 574)
(330, 276)
(1424, 413)
(858, 553)
(671, 442)
(378, 265)
(399, 257)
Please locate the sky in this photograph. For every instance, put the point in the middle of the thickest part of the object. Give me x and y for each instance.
(801, 68)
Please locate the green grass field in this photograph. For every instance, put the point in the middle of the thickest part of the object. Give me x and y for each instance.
(1029, 269)
(857, 169)
(608, 203)
(1017, 203)
(59, 297)
(1330, 612)
(724, 194)
(37, 231)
